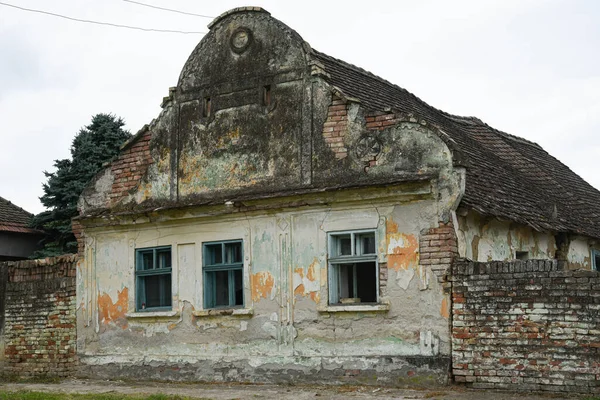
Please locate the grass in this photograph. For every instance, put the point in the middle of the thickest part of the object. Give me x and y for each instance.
(28, 395)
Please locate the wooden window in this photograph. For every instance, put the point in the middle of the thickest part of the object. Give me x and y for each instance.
(353, 271)
(223, 268)
(596, 260)
(153, 279)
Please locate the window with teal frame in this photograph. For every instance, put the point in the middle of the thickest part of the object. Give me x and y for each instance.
(596, 260)
(153, 279)
(223, 268)
(353, 270)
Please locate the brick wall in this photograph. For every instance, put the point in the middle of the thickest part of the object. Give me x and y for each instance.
(526, 325)
(438, 248)
(130, 166)
(38, 325)
(336, 126)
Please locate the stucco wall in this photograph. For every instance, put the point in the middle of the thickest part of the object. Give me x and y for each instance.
(286, 322)
(483, 239)
(489, 239)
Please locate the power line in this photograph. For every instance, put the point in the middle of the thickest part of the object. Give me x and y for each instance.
(167, 9)
(97, 22)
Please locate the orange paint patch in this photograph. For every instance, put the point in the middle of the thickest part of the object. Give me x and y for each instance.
(299, 291)
(311, 274)
(261, 285)
(403, 252)
(114, 312)
(314, 296)
(444, 309)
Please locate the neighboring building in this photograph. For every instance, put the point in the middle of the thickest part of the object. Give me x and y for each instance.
(17, 240)
(289, 216)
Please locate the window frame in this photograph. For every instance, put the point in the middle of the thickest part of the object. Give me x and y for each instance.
(140, 274)
(595, 265)
(209, 296)
(333, 263)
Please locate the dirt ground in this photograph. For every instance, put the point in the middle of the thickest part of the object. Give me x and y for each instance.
(299, 392)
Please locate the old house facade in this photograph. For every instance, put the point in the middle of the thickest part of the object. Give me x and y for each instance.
(289, 216)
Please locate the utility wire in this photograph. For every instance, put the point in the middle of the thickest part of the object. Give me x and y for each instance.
(97, 22)
(167, 9)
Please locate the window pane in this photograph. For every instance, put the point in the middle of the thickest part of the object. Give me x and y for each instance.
(214, 254)
(233, 253)
(158, 291)
(346, 281)
(222, 288)
(343, 245)
(239, 287)
(365, 243)
(147, 260)
(366, 277)
(163, 258)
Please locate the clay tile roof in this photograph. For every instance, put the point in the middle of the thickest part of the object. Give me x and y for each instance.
(507, 176)
(14, 218)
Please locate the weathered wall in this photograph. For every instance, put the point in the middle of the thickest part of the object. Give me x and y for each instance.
(286, 331)
(526, 325)
(37, 317)
(483, 239)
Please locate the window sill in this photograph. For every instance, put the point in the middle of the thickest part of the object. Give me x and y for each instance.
(354, 308)
(153, 315)
(235, 312)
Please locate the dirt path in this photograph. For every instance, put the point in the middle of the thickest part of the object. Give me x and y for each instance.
(238, 391)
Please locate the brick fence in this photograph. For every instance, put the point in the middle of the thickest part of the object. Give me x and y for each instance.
(37, 317)
(526, 325)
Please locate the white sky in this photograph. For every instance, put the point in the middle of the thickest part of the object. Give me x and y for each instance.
(528, 67)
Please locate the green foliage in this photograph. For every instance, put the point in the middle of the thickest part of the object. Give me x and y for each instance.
(94, 145)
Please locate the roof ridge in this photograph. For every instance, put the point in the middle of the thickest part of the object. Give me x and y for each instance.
(454, 117)
(383, 80)
(8, 202)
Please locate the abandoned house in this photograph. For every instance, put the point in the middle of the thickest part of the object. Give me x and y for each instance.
(17, 240)
(289, 216)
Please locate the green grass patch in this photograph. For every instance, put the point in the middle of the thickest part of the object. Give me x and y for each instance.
(28, 395)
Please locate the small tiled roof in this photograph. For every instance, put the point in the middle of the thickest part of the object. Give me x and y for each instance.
(14, 218)
(507, 176)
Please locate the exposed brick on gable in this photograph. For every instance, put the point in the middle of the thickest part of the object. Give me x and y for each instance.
(77, 229)
(438, 248)
(336, 126)
(129, 168)
(381, 121)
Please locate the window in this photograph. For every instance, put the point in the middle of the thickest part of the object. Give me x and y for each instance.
(522, 255)
(206, 107)
(223, 274)
(353, 267)
(153, 278)
(596, 260)
(266, 97)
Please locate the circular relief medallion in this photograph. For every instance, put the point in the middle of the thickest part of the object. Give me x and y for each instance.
(240, 40)
(368, 146)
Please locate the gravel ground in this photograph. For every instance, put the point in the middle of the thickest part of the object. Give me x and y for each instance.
(300, 392)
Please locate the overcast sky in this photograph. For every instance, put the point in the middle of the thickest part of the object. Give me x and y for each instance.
(530, 68)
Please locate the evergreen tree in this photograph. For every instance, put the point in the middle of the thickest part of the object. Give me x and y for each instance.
(94, 145)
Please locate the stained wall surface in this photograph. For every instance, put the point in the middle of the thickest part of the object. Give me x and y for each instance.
(286, 322)
(483, 239)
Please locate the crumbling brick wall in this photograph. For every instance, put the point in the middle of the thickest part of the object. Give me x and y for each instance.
(38, 325)
(526, 325)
